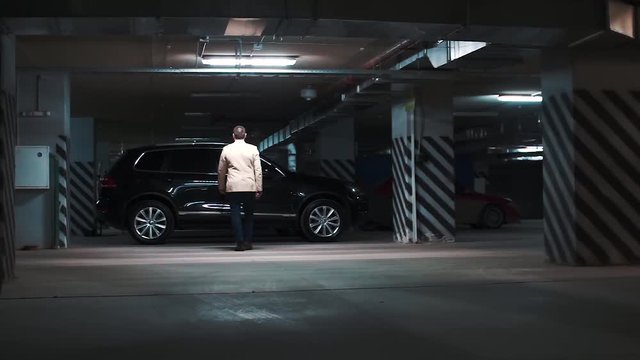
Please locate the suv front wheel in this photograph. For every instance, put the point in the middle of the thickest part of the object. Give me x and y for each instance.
(323, 220)
(150, 222)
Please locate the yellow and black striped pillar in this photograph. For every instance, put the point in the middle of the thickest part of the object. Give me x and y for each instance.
(403, 190)
(435, 189)
(62, 201)
(8, 133)
(8, 139)
(591, 119)
(423, 166)
(82, 195)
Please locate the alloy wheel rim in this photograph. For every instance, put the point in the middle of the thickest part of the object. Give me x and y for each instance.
(150, 223)
(324, 221)
(494, 217)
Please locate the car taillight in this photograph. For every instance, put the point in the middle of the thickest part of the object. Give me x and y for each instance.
(108, 182)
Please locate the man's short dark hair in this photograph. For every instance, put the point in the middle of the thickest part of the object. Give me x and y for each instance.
(239, 132)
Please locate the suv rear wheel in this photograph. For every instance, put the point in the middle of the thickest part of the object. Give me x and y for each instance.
(323, 220)
(150, 222)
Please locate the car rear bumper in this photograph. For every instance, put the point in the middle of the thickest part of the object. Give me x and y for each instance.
(107, 212)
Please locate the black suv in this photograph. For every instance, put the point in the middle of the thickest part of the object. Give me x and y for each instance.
(150, 191)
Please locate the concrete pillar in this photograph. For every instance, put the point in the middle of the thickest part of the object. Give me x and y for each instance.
(591, 120)
(8, 134)
(423, 165)
(46, 92)
(480, 175)
(335, 150)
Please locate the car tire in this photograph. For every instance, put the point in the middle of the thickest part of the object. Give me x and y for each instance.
(323, 220)
(493, 217)
(150, 222)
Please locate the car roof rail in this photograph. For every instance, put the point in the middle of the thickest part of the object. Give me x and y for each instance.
(194, 141)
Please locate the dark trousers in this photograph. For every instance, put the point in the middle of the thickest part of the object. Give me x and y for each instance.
(242, 202)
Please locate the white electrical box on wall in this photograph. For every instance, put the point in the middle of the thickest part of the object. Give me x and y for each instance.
(32, 167)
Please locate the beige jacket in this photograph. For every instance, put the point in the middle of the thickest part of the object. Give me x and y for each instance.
(239, 169)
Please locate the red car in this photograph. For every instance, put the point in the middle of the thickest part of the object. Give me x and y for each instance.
(475, 209)
(484, 211)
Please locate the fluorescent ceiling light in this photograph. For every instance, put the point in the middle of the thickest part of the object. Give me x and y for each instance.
(259, 61)
(515, 150)
(529, 149)
(520, 98)
(527, 158)
(197, 114)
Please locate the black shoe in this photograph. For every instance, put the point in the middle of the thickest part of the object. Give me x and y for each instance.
(239, 248)
(248, 246)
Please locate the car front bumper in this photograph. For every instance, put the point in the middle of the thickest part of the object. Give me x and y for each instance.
(512, 215)
(359, 209)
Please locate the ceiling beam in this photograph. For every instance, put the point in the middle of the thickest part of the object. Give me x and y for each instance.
(541, 13)
(395, 75)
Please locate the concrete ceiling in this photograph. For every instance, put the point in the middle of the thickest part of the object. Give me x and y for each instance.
(160, 101)
(163, 99)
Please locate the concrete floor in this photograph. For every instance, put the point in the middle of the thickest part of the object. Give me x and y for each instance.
(488, 296)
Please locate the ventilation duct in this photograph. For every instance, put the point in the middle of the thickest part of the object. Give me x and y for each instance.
(447, 51)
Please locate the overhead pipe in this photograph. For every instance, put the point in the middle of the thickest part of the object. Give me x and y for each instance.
(377, 60)
(388, 75)
(400, 46)
(361, 88)
(285, 133)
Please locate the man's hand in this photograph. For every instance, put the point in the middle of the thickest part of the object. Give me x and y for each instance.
(222, 191)
(258, 195)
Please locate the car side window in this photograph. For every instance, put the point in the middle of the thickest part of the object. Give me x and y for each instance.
(269, 170)
(266, 169)
(151, 161)
(194, 161)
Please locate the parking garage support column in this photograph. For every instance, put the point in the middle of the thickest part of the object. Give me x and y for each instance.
(591, 119)
(423, 165)
(8, 134)
(42, 217)
(335, 150)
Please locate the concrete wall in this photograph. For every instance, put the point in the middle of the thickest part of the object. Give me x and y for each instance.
(35, 208)
(335, 149)
(83, 142)
(520, 181)
(336, 140)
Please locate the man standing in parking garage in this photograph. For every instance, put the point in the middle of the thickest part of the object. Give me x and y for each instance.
(240, 178)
